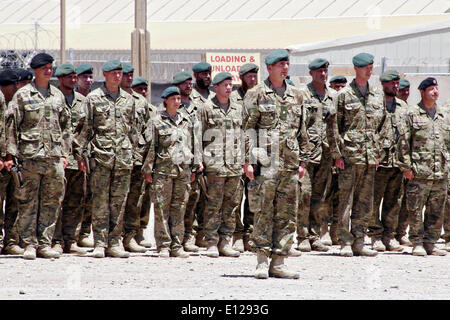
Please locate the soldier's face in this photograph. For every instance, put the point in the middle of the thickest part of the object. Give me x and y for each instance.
(364, 72)
(173, 102)
(224, 88)
(279, 70)
(69, 81)
(44, 73)
(85, 81)
(203, 79)
(185, 88)
(337, 86)
(127, 80)
(141, 89)
(403, 94)
(113, 77)
(431, 93)
(250, 79)
(319, 75)
(390, 88)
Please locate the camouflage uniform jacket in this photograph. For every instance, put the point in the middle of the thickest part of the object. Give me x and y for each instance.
(172, 147)
(198, 98)
(317, 110)
(144, 113)
(76, 113)
(283, 116)
(354, 124)
(2, 126)
(108, 129)
(389, 134)
(222, 138)
(38, 128)
(423, 144)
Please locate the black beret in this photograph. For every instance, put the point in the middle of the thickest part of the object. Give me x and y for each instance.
(248, 67)
(170, 91)
(41, 59)
(338, 79)
(427, 83)
(8, 77)
(24, 74)
(318, 63)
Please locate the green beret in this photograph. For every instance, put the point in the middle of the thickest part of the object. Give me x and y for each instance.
(181, 77)
(276, 56)
(389, 75)
(403, 84)
(248, 67)
(221, 77)
(318, 63)
(201, 67)
(170, 91)
(41, 59)
(427, 83)
(138, 81)
(127, 68)
(64, 70)
(338, 79)
(112, 65)
(85, 69)
(362, 59)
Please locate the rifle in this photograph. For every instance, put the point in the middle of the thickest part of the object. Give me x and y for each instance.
(16, 172)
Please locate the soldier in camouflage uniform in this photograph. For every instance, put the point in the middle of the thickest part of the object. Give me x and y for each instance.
(446, 235)
(424, 161)
(39, 136)
(109, 133)
(317, 101)
(138, 188)
(71, 215)
(169, 166)
(9, 80)
(248, 74)
(388, 177)
(352, 131)
(276, 151)
(221, 122)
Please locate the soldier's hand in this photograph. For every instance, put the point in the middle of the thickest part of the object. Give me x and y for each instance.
(408, 174)
(248, 169)
(64, 162)
(82, 166)
(192, 176)
(340, 163)
(148, 177)
(301, 170)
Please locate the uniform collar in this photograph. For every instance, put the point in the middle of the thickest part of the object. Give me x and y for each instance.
(270, 89)
(34, 90)
(370, 89)
(314, 92)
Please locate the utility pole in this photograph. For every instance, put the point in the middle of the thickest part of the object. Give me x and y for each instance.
(62, 32)
(140, 44)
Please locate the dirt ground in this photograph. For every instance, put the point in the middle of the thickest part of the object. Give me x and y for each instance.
(323, 276)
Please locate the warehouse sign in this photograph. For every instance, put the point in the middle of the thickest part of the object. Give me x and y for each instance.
(231, 62)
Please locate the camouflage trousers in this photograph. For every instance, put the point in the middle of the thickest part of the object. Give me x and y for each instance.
(135, 218)
(8, 216)
(224, 194)
(39, 200)
(170, 196)
(71, 215)
(109, 195)
(191, 206)
(389, 188)
(274, 224)
(403, 218)
(304, 207)
(84, 229)
(446, 235)
(433, 195)
(356, 187)
(244, 225)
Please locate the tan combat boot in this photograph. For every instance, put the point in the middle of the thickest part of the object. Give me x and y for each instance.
(140, 240)
(164, 253)
(294, 252)
(179, 253)
(200, 240)
(47, 253)
(278, 269)
(130, 244)
(334, 234)
(99, 252)
(359, 249)
(447, 246)
(116, 252)
(378, 245)
(85, 242)
(238, 243)
(404, 241)
(432, 250)
(317, 245)
(262, 268)
(212, 251)
(418, 250)
(392, 245)
(72, 247)
(226, 250)
(346, 250)
(13, 249)
(29, 253)
(325, 237)
(247, 241)
(58, 248)
(189, 244)
(304, 246)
